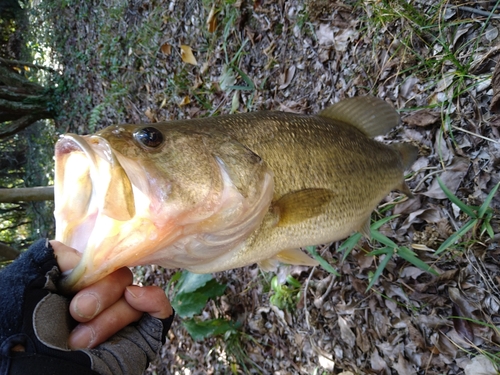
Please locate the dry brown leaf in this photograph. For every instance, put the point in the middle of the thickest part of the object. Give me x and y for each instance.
(187, 55)
(452, 178)
(150, 115)
(495, 83)
(211, 20)
(166, 49)
(286, 77)
(422, 118)
(346, 334)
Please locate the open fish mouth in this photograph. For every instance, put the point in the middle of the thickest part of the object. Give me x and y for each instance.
(93, 195)
(89, 182)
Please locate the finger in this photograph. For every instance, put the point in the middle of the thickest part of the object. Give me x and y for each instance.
(150, 299)
(94, 299)
(67, 257)
(105, 325)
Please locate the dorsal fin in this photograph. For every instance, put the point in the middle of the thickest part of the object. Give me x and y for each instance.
(371, 115)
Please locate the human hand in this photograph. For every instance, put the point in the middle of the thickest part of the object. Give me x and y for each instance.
(109, 305)
(35, 321)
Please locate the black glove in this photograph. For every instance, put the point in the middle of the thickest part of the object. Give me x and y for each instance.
(35, 324)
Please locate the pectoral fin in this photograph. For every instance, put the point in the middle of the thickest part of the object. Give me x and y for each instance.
(119, 201)
(298, 206)
(365, 229)
(295, 257)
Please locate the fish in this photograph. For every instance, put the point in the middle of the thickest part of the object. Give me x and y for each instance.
(218, 193)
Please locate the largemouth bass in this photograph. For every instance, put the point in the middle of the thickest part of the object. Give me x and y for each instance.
(213, 194)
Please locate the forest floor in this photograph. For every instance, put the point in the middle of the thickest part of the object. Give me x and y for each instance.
(432, 60)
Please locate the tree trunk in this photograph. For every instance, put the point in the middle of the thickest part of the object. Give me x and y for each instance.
(7, 252)
(21, 102)
(43, 193)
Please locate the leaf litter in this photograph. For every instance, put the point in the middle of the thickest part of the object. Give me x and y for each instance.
(302, 56)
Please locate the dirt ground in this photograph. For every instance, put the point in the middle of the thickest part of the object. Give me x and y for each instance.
(122, 62)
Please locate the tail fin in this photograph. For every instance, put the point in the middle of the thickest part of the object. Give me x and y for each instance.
(408, 152)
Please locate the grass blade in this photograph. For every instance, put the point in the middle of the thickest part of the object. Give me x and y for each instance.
(349, 245)
(469, 211)
(411, 257)
(389, 253)
(377, 236)
(381, 222)
(486, 203)
(455, 236)
(327, 266)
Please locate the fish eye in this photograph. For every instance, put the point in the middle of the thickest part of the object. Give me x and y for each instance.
(149, 137)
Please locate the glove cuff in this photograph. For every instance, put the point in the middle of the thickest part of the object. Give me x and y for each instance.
(15, 278)
(44, 365)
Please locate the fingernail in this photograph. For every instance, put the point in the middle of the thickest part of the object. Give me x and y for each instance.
(82, 337)
(135, 291)
(87, 305)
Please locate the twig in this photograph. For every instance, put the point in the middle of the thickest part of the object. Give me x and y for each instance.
(476, 11)
(475, 134)
(24, 63)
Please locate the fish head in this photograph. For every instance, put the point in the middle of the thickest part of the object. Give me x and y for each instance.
(172, 195)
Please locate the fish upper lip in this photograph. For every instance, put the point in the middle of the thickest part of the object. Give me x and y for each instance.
(83, 145)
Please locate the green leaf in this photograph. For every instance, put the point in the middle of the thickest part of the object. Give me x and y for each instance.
(376, 235)
(241, 88)
(376, 225)
(384, 250)
(193, 291)
(200, 330)
(411, 257)
(212, 289)
(486, 203)
(380, 268)
(456, 236)
(349, 244)
(469, 211)
(189, 282)
(188, 305)
(245, 78)
(327, 266)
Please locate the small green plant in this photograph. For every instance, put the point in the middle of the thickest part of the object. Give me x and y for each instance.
(479, 217)
(389, 249)
(192, 292)
(285, 295)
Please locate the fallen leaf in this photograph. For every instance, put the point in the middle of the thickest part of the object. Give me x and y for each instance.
(403, 367)
(480, 365)
(187, 55)
(326, 363)
(495, 83)
(166, 49)
(211, 20)
(185, 101)
(345, 333)
(452, 178)
(150, 115)
(422, 118)
(286, 77)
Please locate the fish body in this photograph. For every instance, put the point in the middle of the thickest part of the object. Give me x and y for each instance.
(218, 193)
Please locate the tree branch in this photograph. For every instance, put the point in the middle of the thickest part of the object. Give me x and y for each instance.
(40, 193)
(24, 63)
(20, 124)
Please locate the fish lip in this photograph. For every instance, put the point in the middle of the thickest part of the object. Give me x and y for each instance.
(68, 140)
